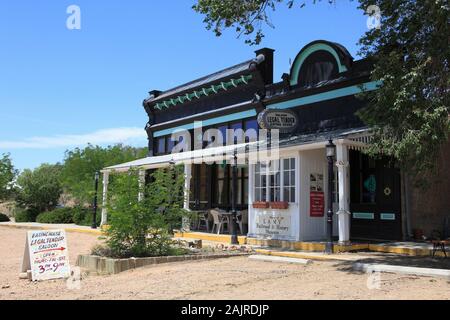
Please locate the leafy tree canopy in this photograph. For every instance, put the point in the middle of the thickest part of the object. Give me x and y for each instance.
(409, 114)
(80, 166)
(247, 17)
(7, 176)
(39, 189)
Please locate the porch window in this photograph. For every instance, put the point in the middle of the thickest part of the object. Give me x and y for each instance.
(161, 145)
(276, 182)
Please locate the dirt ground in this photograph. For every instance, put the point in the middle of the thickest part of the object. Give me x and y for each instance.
(230, 278)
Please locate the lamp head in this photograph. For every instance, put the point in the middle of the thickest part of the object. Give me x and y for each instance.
(331, 149)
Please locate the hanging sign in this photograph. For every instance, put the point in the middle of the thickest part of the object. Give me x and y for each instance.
(46, 255)
(316, 195)
(284, 120)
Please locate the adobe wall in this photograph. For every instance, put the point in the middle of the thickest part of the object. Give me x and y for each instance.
(431, 205)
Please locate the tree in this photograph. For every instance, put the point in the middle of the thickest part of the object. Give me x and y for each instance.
(409, 114)
(142, 227)
(245, 16)
(39, 190)
(7, 176)
(80, 165)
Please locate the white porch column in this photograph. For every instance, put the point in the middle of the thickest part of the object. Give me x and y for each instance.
(141, 185)
(104, 198)
(187, 184)
(344, 193)
(185, 224)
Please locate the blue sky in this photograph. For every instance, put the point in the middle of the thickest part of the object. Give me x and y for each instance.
(62, 88)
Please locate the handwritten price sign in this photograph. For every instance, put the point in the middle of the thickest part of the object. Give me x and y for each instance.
(46, 255)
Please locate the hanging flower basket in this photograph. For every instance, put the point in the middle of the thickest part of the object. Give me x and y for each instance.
(260, 205)
(279, 205)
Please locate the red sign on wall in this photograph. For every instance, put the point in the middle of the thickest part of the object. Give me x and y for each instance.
(316, 204)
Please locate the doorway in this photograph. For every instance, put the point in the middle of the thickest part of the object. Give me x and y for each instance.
(375, 198)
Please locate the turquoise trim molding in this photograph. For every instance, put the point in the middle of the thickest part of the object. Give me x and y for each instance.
(387, 216)
(328, 95)
(208, 122)
(364, 215)
(206, 91)
(297, 65)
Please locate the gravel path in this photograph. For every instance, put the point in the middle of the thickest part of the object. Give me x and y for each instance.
(230, 278)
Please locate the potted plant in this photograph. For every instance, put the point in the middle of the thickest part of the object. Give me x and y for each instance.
(260, 205)
(279, 205)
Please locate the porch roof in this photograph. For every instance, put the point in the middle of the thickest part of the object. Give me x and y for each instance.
(353, 137)
(209, 154)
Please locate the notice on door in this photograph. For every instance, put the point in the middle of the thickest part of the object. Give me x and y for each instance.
(316, 195)
(46, 255)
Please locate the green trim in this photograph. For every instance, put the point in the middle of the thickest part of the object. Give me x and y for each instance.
(208, 122)
(206, 91)
(328, 95)
(364, 215)
(297, 65)
(387, 216)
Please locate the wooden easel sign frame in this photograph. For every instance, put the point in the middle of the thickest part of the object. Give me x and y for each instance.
(46, 255)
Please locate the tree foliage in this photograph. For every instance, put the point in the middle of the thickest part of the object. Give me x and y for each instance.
(39, 189)
(7, 176)
(80, 165)
(247, 17)
(409, 114)
(142, 227)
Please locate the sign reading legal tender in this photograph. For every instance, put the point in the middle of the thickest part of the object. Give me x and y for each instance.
(46, 255)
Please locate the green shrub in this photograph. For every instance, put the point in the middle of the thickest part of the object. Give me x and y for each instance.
(23, 215)
(78, 214)
(142, 228)
(4, 217)
(61, 215)
(83, 216)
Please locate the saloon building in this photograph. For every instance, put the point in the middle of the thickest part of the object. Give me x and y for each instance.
(313, 103)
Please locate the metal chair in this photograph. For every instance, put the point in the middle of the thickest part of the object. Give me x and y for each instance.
(242, 220)
(219, 221)
(202, 218)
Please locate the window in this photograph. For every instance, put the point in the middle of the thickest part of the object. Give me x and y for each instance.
(289, 180)
(271, 180)
(170, 144)
(260, 182)
(237, 136)
(251, 128)
(161, 145)
(274, 181)
(221, 185)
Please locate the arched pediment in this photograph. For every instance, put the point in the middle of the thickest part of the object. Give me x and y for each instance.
(333, 52)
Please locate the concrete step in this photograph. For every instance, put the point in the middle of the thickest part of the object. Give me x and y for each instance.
(279, 259)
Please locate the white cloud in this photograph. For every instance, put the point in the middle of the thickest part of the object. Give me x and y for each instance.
(104, 136)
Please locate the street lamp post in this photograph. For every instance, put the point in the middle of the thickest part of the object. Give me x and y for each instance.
(331, 152)
(94, 219)
(234, 237)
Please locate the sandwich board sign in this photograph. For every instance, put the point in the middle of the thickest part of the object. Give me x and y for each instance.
(46, 255)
